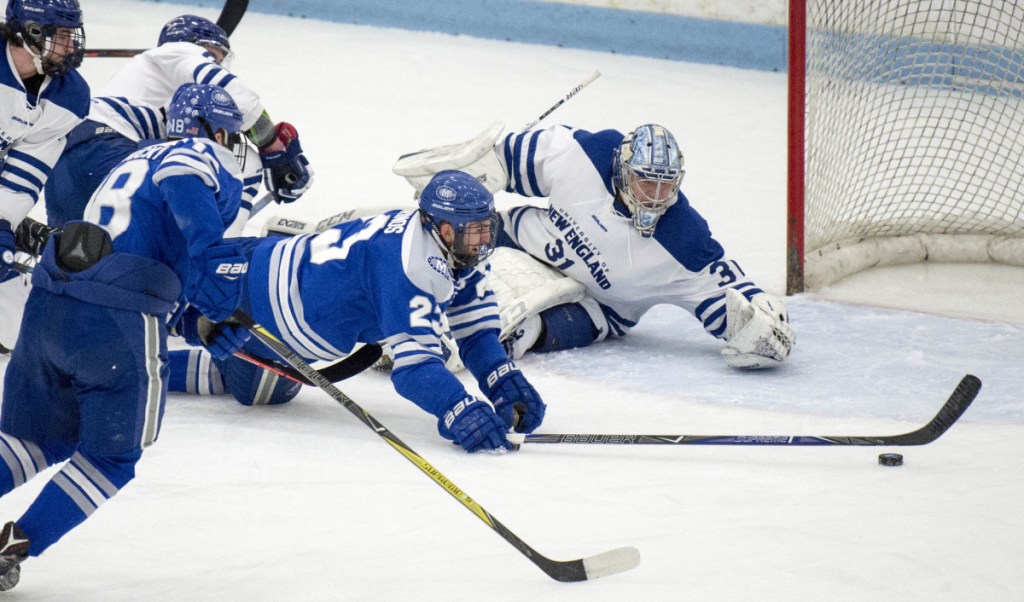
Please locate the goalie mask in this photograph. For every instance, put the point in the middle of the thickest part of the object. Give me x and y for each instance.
(647, 170)
(459, 200)
(203, 110)
(50, 30)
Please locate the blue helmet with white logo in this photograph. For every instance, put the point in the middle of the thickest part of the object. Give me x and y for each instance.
(200, 111)
(647, 170)
(458, 199)
(51, 30)
(197, 30)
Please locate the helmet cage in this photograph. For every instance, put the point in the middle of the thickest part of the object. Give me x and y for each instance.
(648, 173)
(466, 251)
(57, 49)
(50, 30)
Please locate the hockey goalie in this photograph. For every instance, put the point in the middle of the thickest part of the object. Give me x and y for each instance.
(615, 237)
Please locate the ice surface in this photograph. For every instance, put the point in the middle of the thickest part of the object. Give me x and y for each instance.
(303, 502)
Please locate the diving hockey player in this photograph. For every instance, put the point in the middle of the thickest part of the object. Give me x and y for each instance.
(390, 278)
(42, 97)
(86, 383)
(617, 224)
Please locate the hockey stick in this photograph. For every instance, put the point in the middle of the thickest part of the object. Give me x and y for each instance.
(591, 567)
(949, 413)
(573, 92)
(346, 367)
(230, 15)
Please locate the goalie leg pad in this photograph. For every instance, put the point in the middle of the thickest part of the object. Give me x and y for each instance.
(758, 333)
(524, 287)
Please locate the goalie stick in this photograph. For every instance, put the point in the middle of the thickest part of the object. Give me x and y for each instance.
(230, 15)
(583, 569)
(949, 413)
(573, 92)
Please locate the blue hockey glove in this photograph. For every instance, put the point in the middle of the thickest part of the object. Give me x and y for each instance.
(514, 399)
(286, 172)
(7, 249)
(221, 340)
(217, 289)
(472, 423)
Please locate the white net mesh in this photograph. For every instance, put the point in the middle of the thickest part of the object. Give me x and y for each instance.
(914, 121)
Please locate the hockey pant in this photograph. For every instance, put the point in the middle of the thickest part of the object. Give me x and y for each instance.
(85, 386)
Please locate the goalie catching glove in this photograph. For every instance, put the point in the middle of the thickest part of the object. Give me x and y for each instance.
(758, 334)
(515, 400)
(286, 171)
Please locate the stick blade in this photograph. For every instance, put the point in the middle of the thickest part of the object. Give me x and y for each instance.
(587, 569)
(950, 412)
(611, 562)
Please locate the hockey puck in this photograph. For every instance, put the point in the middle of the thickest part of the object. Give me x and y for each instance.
(890, 459)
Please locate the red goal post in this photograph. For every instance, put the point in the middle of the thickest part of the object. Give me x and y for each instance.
(906, 135)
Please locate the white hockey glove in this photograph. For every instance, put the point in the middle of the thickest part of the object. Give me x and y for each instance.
(758, 333)
(475, 157)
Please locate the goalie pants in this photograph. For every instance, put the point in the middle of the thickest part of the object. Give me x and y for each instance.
(85, 386)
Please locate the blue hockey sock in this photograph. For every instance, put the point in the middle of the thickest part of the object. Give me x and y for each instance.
(252, 385)
(565, 327)
(73, 494)
(20, 460)
(194, 371)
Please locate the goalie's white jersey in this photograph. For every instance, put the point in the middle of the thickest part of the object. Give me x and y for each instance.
(133, 101)
(586, 234)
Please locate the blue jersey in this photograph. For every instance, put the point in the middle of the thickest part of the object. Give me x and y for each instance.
(87, 380)
(383, 278)
(169, 202)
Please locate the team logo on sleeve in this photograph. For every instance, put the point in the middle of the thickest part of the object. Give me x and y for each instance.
(439, 265)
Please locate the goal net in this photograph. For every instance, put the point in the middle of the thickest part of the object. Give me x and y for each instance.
(906, 134)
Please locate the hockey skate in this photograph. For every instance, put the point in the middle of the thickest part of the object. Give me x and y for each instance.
(13, 550)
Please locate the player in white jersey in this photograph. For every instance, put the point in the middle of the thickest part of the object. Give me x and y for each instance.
(42, 97)
(391, 278)
(128, 111)
(616, 222)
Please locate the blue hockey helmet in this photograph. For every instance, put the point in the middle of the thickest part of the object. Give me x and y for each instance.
(51, 30)
(197, 30)
(458, 199)
(200, 111)
(647, 170)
